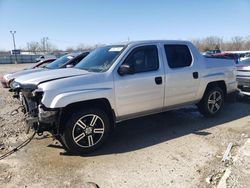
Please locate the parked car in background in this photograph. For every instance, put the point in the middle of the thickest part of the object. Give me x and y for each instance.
(65, 61)
(81, 105)
(243, 74)
(43, 57)
(41, 64)
(209, 52)
(225, 55)
(241, 54)
(247, 56)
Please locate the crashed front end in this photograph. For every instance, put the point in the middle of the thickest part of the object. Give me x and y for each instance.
(6, 80)
(37, 116)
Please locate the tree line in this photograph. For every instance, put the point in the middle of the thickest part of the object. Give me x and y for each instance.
(236, 43)
(46, 46)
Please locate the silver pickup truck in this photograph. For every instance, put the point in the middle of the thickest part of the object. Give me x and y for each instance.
(81, 105)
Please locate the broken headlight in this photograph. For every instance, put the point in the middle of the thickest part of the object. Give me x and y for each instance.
(15, 86)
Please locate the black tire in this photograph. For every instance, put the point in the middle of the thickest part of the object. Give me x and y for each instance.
(232, 97)
(59, 138)
(85, 131)
(206, 104)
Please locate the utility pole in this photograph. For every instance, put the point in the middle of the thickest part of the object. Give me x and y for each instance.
(13, 37)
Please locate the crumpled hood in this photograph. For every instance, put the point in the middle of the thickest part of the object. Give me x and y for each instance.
(13, 75)
(49, 75)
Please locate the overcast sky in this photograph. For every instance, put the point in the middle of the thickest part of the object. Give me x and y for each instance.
(69, 23)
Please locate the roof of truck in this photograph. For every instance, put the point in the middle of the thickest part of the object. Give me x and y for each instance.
(154, 41)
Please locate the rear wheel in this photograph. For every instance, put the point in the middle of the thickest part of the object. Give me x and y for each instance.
(86, 131)
(212, 102)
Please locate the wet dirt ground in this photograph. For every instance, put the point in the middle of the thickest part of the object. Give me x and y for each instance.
(179, 148)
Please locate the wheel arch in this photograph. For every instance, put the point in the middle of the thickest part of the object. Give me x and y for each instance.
(101, 103)
(220, 83)
(203, 103)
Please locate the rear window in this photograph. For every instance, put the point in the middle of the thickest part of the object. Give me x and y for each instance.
(178, 55)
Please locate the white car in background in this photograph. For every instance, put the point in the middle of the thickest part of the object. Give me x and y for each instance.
(243, 73)
(43, 57)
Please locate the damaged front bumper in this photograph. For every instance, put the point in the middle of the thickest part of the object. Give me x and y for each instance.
(38, 117)
(43, 119)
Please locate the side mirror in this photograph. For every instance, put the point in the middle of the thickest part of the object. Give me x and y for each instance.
(69, 66)
(125, 69)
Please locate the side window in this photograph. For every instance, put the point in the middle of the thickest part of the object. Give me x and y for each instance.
(77, 60)
(143, 59)
(178, 55)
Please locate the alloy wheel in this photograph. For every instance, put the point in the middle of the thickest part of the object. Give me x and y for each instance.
(88, 130)
(214, 101)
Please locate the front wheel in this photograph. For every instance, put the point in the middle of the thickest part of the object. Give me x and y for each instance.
(212, 102)
(86, 131)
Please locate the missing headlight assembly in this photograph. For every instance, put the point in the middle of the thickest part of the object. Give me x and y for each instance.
(37, 115)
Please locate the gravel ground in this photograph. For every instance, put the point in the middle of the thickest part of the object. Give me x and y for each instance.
(239, 171)
(12, 125)
(180, 148)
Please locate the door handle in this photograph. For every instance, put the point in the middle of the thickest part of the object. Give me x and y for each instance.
(158, 80)
(195, 75)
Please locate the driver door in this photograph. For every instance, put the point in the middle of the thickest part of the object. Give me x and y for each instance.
(142, 89)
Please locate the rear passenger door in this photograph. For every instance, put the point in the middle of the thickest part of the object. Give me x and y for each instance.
(182, 76)
(143, 91)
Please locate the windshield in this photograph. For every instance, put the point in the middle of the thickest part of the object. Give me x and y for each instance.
(101, 59)
(59, 62)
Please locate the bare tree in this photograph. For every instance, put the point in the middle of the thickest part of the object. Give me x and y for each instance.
(247, 43)
(237, 43)
(33, 47)
(69, 49)
(205, 44)
(83, 47)
(212, 42)
(44, 46)
(198, 43)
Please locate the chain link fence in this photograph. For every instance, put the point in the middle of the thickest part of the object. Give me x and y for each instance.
(11, 59)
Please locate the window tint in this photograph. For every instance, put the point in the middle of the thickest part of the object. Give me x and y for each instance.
(178, 55)
(143, 59)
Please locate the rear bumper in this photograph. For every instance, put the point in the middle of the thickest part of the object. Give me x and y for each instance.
(232, 86)
(243, 81)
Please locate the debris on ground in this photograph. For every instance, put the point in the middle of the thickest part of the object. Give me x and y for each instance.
(12, 126)
(238, 174)
(226, 154)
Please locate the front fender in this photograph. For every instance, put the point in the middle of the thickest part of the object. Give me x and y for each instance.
(63, 99)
